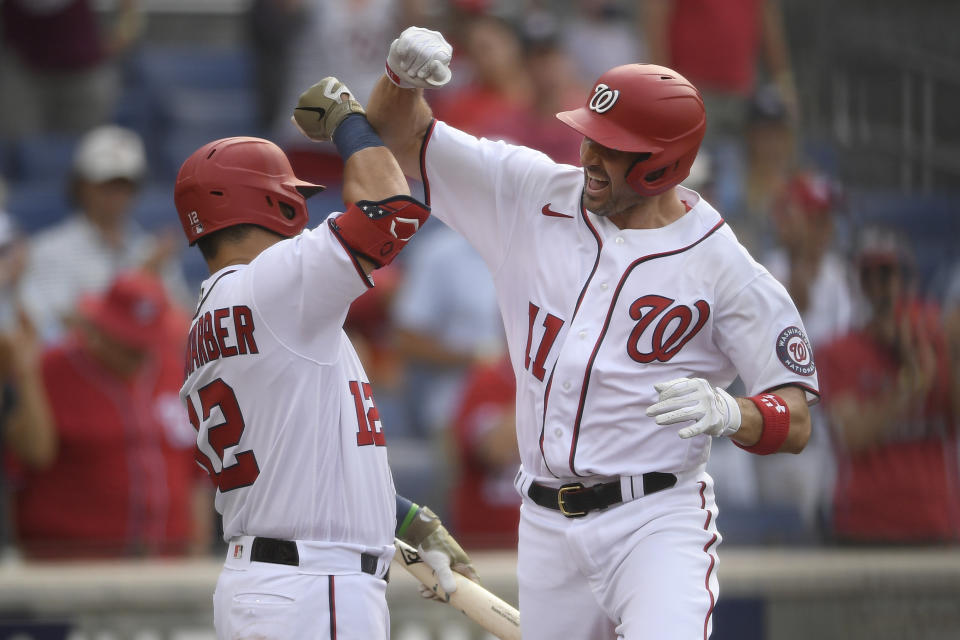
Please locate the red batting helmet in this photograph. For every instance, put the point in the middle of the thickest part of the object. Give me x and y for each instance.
(240, 180)
(645, 108)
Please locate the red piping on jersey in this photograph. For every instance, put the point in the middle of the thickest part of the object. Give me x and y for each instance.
(806, 388)
(596, 262)
(583, 291)
(356, 263)
(606, 325)
(423, 161)
(332, 605)
(543, 421)
(713, 559)
(207, 294)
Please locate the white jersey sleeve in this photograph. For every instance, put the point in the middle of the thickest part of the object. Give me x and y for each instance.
(759, 328)
(319, 282)
(487, 187)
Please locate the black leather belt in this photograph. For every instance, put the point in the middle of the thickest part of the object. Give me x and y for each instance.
(575, 500)
(285, 552)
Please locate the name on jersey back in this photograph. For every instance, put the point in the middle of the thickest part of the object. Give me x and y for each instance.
(221, 333)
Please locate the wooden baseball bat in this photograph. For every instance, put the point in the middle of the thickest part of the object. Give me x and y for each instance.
(475, 602)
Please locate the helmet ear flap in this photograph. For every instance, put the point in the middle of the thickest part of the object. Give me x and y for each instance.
(651, 182)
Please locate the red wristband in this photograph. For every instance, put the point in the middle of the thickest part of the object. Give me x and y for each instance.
(776, 424)
(394, 78)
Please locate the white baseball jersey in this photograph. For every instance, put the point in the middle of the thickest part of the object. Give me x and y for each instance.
(286, 422)
(595, 315)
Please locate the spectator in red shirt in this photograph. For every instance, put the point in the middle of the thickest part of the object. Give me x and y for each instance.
(485, 505)
(718, 45)
(555, 88)
(496, 100)
(886, 388)
(116, 476)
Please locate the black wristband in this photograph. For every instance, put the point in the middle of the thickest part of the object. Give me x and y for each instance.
(354, 134)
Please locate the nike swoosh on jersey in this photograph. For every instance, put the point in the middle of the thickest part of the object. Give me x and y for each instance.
(547, 211)
(318, 110)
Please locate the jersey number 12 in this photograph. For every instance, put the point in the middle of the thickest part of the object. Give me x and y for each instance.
(244, 470)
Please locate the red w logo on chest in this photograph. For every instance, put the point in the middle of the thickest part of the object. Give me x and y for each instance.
(672, 329)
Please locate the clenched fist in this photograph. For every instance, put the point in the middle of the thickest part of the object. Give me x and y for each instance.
(419, 58)
(323, 107)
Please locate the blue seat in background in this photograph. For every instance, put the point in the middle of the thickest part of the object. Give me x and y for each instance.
(225, 108)
(36, 204)
(204, 67)
(182, 96)
(45, 156)
(154, 209)
(764, 525)
(137, 109)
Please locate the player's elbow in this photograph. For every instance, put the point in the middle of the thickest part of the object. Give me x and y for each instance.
(799, 434)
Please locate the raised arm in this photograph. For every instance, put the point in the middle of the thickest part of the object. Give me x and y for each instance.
(401, 117)
(381, 217)
(328, 111)
(418, 59)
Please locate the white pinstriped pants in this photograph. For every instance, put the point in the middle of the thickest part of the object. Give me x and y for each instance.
(638, 570)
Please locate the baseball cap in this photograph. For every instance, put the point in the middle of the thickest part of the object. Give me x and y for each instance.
(109, 152)
(880, 246)
(814, 193)
(131, 311)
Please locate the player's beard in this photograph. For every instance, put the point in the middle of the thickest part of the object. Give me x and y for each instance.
(617, 200)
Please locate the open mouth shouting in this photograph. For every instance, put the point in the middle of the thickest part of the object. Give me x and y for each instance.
(595, 184)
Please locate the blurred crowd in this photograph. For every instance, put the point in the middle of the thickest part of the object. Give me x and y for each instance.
(96, 291)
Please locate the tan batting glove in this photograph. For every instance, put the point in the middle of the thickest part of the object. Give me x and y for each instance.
(323, 107)
(713, 410)
(419, 58)
(439, 550)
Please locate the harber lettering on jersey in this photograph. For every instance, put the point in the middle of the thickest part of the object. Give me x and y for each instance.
(221, 333)
(794, 351)
(671, 331)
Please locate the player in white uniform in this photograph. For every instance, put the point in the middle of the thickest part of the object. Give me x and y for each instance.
(287, 426)
(628, 306)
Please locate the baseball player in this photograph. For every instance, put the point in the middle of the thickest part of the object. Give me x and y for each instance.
(628, 306)
(286, 423)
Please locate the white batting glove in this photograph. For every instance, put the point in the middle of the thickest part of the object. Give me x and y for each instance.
(419, 58)
(715, 411)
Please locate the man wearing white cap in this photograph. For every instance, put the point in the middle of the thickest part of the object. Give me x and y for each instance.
(84, 252)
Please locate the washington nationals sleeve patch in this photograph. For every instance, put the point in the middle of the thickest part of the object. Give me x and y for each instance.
(793, 349)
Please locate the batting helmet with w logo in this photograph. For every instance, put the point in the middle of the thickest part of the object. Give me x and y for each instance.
(647, 109)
